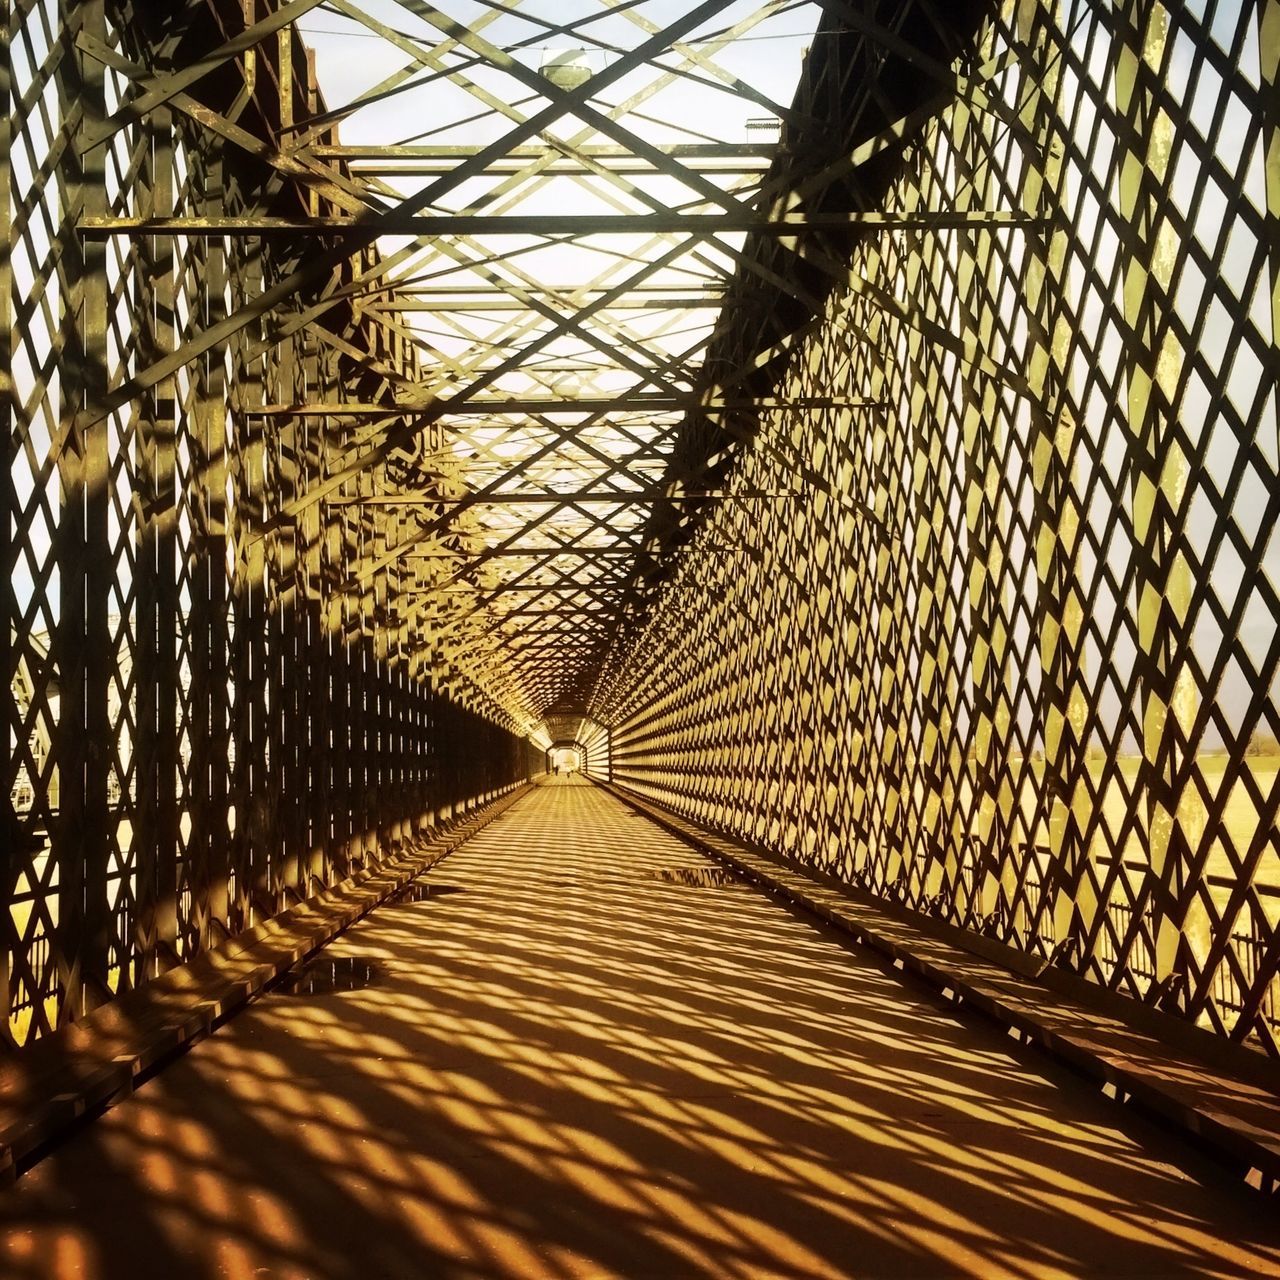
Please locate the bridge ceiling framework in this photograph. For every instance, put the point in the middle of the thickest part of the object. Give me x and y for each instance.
(1014, 661)
(560, 206)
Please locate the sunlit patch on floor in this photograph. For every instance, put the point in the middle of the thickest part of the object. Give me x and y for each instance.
(622, 1078)
(688, 877)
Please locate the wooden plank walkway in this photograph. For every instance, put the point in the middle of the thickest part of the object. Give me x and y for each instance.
(49, 1086)
(1225, 1095)
(583, 1056)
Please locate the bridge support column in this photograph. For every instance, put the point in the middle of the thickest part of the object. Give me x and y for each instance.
(1160, 496)
(1063, 911)
(81, 647)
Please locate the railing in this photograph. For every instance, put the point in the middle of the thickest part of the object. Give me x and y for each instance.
(193, 737)
(1249, 951)
(1033, 574)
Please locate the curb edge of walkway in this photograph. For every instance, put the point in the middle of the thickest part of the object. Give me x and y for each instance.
(87, 1067)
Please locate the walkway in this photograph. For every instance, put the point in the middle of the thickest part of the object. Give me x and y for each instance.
(572, 1064)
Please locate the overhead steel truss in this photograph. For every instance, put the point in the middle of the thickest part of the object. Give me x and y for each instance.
(487, 427)
(324, 479)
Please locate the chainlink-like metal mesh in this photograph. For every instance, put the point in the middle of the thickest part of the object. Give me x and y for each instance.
(193, 742)
(1004, 648)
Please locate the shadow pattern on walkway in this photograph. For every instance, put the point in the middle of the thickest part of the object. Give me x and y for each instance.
(580, 1063)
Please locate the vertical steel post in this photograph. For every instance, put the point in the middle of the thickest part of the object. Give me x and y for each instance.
(155, 661)
(12, 830)
(82, 646)
(210, 606)
(255, 795)
(1159, 496)
(983, 829)
(1269, 53)
(1056, 521)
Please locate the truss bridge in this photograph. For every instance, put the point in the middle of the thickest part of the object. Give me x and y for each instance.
(640, 638)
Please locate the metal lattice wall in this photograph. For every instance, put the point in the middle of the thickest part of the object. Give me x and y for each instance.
(198, 735)
(1002, 645)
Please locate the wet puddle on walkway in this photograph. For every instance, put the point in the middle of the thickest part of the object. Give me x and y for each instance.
(686, 877)
(328, 977)
(422, 891)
